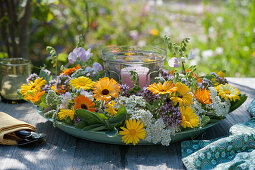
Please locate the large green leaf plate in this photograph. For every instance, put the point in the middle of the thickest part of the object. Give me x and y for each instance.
(103, 138)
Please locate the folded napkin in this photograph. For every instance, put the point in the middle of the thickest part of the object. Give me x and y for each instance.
(236, 151)
(8, 125)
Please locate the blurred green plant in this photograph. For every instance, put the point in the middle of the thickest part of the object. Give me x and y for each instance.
(230, 39)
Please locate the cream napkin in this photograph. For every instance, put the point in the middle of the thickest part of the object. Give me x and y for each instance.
(8, 125)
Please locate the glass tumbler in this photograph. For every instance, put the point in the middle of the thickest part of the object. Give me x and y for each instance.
(146, 61)
(13, 74)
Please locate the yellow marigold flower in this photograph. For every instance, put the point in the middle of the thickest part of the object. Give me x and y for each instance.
(214, 81)
(183, 95)
(133, 132)
(71, 70)
(203, 96)
(253, 53)
(189, 118)
(83, 102)
(166, 88)
(105, 89)
(34, 97)
(32, 86)
(227, 91)
(129, 54)
(221, 74)
(110, 108)
(65, 113)
(154, 32)
(82, 82)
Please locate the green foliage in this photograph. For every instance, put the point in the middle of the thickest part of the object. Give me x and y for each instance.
(177, 50)
(97, 121)
(227, 25)
(232, 30)
(135, 80)
(44, 75)
(205, 120)
(53, 57)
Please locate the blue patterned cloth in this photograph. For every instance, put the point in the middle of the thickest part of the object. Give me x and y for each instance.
(236, 151)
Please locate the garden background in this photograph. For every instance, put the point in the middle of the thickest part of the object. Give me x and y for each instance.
(222, 32)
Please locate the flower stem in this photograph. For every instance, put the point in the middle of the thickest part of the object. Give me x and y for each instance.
(183, 69)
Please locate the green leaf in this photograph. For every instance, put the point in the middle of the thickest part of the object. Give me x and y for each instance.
(43, 105)
(89, 117)
(99, 128)
(50, 16)
(205, 120)
(94, 126)
(3, 55)
(44, 75)
(62, 57)
(238, 103)
(119, 117)
(80, 125)
(111, 133)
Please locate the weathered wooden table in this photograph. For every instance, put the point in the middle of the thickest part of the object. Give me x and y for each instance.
(62, 151)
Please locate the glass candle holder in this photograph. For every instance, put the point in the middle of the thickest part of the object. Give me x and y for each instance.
(13, 74)
(146, 61)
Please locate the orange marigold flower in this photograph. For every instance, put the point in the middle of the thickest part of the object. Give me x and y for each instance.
(166, 88)
(35, 96)
(82, 102)
(71, 70)
(105, 89)
(203, 96)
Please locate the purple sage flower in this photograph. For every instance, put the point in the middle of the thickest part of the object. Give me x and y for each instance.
(148, 95)
(62, 81)
(124, 90)
(76, 120)
(32, 77)
(170, 114)
(174, 62)
(166, 75)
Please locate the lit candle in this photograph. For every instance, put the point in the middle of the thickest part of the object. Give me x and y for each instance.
(144, 78)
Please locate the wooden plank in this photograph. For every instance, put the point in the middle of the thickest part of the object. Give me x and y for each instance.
(93, 155)
(58, 151)
(154, 157)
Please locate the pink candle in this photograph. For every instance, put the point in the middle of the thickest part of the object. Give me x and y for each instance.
(144, 78)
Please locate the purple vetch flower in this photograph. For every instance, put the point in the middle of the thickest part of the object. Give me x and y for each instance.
(72, 57)
(170, 114)
(80, 53)
(124, 90)
(148, 95)
(32, 77)
(191, 55)
(174, 62)
(97, 67)
(47, 71)
(134, 34)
